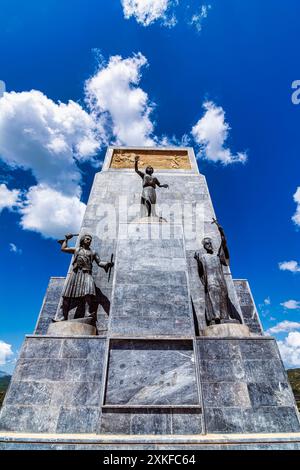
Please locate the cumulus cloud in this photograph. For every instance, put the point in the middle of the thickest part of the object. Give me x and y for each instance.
(284, 327)
(291, 266)
(51, 212)
(296, 216)
(290, 349)
(5, 352)
(147, 12)
(8, 198)
(47, 138)
(198, 18)
(267, 301)
(211, 133)
(291, 304)
(113, 93)
(14, 249)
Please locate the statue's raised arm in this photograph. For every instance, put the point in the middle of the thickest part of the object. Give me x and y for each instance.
(223, 250)
(64, 244)
(136, 167)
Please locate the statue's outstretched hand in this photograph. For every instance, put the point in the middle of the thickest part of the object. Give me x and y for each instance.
(68, 236)
(108, 266)
(136, 159)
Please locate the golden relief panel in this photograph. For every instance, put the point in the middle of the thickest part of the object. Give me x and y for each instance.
(159, 159)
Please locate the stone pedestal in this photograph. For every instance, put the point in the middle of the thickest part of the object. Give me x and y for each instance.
(227, 330)
(71, 328)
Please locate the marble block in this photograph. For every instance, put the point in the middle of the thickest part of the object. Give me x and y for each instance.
(227, 330)
(151, 373)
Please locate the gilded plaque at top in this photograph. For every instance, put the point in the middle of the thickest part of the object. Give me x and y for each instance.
(158, 159)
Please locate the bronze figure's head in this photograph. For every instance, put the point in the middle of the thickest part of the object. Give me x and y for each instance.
(86, 240)
(149, 170)
(208, 245)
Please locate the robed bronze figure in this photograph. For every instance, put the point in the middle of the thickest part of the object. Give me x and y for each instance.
(218, 307)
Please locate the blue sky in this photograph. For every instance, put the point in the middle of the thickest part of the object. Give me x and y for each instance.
(219, 73)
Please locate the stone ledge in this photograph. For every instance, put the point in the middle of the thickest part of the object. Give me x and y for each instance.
(146, 439)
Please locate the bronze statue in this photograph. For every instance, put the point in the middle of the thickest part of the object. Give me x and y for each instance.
(148, 199)
(80, 284)
(218, 308)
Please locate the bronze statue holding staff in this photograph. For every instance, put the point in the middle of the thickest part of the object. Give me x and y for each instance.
(80, 284)
(148, 199)
(218, 308)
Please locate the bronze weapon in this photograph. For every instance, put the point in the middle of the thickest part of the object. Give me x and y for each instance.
(109, 271)
(61, 241)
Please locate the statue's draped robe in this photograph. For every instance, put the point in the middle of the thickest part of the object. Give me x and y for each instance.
(216, 293)
(80, 281)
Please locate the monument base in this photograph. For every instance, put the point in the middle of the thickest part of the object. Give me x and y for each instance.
(72, 328)
(18, 441)
(227, 330)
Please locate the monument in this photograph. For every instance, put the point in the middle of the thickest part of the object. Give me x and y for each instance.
(149, 342)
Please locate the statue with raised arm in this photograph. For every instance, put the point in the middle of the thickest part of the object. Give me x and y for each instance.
(148, 199)
(80, 284)
(218, 308)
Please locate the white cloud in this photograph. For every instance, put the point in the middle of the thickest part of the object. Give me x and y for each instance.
(14, 249)
(267, 301)
(284, 327)
(291, 304)
(198, 18)
(114, 95)
(211, 133)
(47, 138)
(8, 198)
(291, 266)
(296, 216)
(290, 349)
(147, 12)
(51, 212)
(5, 352)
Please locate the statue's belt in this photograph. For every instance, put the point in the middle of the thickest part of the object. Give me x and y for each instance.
(84, 270)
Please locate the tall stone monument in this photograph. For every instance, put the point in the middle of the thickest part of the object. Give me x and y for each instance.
(175, 356)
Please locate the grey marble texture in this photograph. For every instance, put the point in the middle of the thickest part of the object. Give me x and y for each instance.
(151, 295)
(151, 421)
(151, 373)
(245, 387)
(248, 307)
(56, 386)
(50, 304)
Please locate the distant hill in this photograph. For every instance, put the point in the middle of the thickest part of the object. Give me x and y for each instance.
(4, 383)
(3, 374)
(294, 378)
